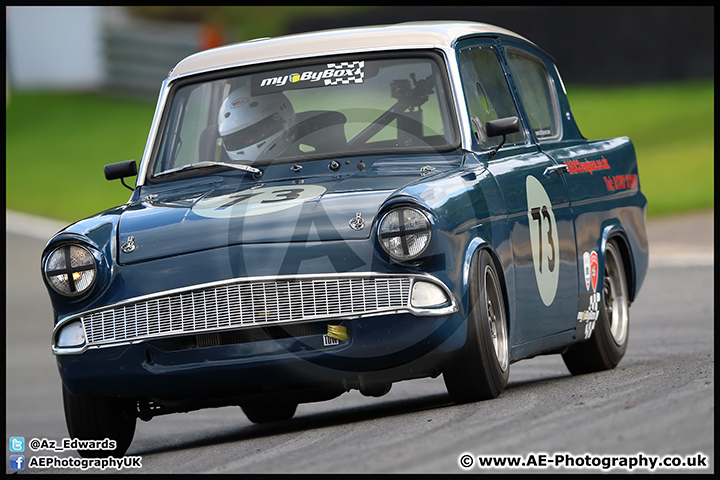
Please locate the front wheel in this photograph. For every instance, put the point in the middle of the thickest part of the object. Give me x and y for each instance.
(98, 418)
(480, 370)
(607, 345)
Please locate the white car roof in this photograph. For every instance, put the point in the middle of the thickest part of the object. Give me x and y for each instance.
(380, 37)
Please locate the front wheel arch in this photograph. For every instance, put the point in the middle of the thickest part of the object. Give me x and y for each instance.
(473, 249)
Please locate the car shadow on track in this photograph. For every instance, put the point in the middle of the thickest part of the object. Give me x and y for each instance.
(313, 420)
(344, 416)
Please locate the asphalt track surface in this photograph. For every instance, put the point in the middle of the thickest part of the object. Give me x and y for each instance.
(658, 402)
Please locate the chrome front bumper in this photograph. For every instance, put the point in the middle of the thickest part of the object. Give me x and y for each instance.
(253, 302)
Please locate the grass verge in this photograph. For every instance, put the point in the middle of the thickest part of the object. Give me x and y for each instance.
(57, 144)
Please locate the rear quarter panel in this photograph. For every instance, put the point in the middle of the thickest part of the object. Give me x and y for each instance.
(604, 187)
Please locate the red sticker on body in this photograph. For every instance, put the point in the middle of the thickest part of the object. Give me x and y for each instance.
(594, 270)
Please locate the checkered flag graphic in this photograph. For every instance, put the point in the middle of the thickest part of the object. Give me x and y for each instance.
(594, 302)
(354, 73)
(587, 318)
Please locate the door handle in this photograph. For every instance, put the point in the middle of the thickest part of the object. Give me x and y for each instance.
(556, 169)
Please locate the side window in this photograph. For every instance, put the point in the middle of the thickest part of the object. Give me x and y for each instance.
(487, 94)
(533, 83)
(191, 134)
(180, 141)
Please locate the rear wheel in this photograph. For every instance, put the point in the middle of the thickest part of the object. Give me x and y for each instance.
(98, 418)
(607, 345)
(269, 413)
(480, 370)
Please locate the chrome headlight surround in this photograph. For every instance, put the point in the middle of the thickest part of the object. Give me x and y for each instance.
(71, 269)
(404, 232)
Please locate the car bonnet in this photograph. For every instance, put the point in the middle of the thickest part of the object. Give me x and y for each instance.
(314, 209)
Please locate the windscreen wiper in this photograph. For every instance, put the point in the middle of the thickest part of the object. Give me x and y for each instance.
(208, 164)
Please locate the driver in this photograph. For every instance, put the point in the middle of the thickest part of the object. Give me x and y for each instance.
(255, 128)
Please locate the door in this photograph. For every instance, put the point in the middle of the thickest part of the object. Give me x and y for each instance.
(537, 203)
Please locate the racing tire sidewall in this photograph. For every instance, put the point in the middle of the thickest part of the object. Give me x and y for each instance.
(601, 351)
(98, 418)
(475, 372)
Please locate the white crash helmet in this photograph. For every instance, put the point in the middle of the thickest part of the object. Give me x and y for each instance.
(254, 128)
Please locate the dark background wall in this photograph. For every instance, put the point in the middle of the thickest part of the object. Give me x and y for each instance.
(590, 44)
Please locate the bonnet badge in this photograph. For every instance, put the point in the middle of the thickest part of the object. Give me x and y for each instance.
(129, 245)
(358, 222)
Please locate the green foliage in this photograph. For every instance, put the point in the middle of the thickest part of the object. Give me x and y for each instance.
(57, 145)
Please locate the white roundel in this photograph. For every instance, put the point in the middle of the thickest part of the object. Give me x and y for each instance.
(543, 239)
(257, 201)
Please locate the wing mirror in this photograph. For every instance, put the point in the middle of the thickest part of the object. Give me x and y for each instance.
(121, 170)
(501, 126)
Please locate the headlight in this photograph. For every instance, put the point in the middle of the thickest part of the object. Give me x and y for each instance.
(70, 270)
(404, 233)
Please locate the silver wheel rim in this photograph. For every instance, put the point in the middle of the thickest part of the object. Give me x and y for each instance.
(496, 318)
(615, 296)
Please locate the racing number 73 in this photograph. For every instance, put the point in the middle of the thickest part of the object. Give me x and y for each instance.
(536, 215)
(256, 201)
(544, 237)
(277, 196)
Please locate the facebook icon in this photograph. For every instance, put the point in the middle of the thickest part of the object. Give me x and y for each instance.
(17, 462)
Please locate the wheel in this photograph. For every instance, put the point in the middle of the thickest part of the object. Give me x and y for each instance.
(98, 418)
(269, 413)
(608, 342)
(479, 371)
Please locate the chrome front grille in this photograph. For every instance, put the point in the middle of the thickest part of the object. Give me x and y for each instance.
(247, 304)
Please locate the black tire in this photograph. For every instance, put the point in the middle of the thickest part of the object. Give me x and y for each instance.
(480, 370)
(269, 413)
(98, 418)
(608, 342)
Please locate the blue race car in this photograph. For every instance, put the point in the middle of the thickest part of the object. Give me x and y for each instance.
(343, 210)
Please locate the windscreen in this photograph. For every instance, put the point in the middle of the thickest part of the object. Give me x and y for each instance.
(360, 105)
